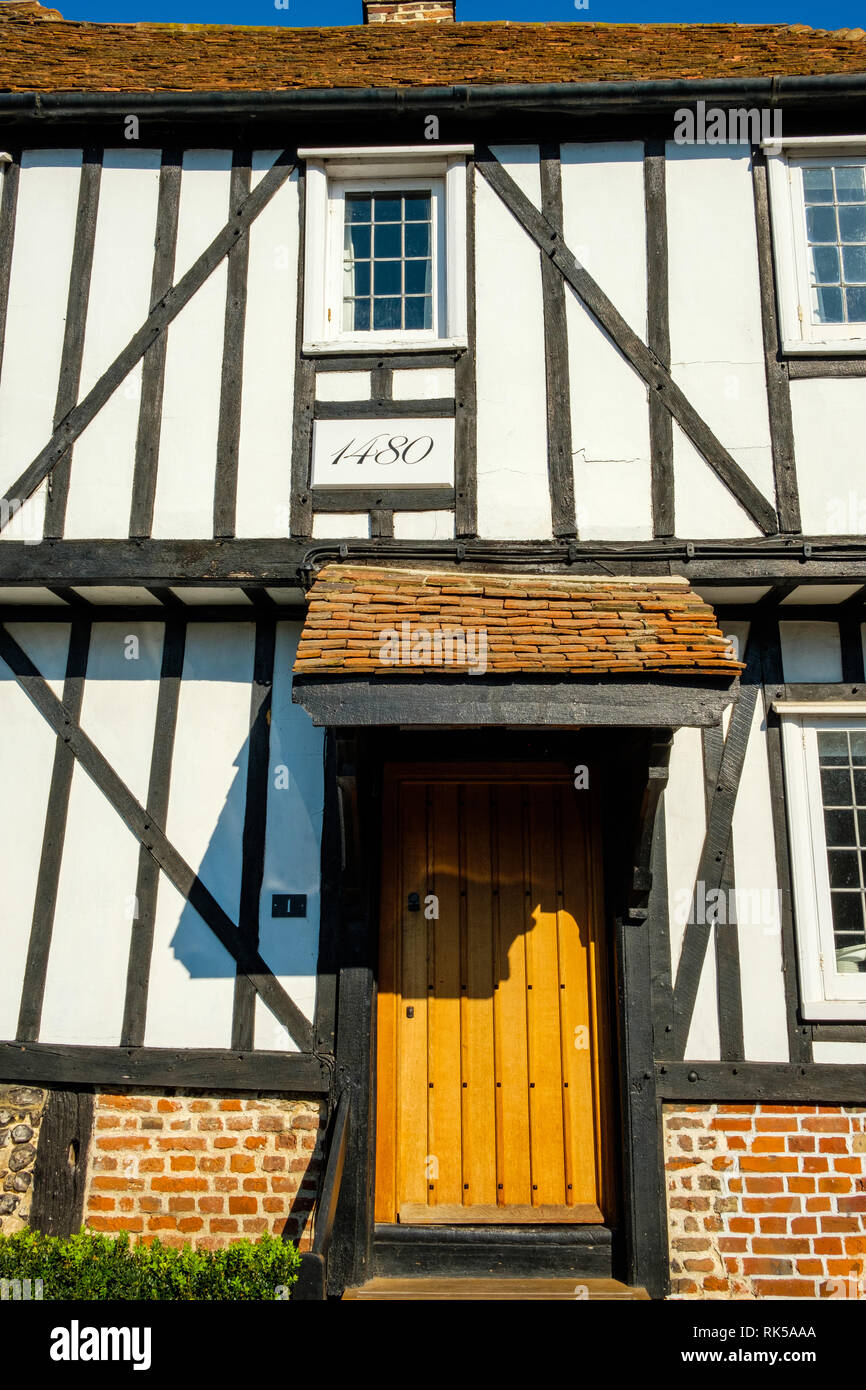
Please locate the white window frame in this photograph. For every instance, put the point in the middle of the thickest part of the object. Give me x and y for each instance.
(824, 992)
(785, 162)
(330, 174)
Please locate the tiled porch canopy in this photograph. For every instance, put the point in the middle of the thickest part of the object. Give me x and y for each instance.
(409, 646)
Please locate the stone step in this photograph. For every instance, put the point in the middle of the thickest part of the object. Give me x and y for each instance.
(490, 1290)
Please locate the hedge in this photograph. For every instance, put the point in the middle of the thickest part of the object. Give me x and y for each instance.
(90, 1266)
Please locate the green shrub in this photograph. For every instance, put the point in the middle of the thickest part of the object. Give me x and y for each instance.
(90, 1266)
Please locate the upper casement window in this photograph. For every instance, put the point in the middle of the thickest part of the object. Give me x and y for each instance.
(385, 248)
(825, 775)
(818, 205)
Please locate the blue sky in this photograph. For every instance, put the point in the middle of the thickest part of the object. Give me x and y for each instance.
(831, 14)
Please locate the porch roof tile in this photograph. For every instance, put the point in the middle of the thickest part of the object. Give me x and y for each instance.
(580, 626)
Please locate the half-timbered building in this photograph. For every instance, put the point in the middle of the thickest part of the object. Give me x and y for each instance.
(432, 567)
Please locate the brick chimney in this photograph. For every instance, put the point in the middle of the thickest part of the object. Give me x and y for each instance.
(408, 11)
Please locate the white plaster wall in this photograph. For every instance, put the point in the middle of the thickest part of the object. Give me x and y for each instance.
(423, 526)
(36, 316)
(267, 401)
(190, 410)
(86, 977)
(765, 1030)
(604, 221)
(715, 326)
(292, 846)
(103, 461)
(830, 443)
(513, 491)
(192, 977)
(811, 651)
(29, 747)
(685, 826)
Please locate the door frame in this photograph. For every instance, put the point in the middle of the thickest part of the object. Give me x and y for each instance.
(634, 767)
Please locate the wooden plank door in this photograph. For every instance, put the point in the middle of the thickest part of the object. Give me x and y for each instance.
(493, 1072)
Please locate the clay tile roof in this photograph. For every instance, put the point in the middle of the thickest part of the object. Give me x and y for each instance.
(71, 56)
(533, 623)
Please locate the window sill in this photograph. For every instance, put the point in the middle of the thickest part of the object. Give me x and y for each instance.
(371, 347)
(838, 347)
(835, 1011)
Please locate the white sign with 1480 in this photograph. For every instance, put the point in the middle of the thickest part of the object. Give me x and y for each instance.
(383, 453)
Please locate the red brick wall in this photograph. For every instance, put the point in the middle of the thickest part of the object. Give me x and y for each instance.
(766, 1200)
(209, 1169)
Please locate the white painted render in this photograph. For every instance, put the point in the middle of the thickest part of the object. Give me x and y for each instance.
(192, 980)
(759, 911)
(513, 492)
(193, 361)
(423, 526)
(685, 824)
(810, 651)
(267, 401)
(292, 846)
(100, 482)
(96, 908)
(342, 386)
(29, 755)
(603, 201)
(38, 293)
(715, 325)
(829, 425)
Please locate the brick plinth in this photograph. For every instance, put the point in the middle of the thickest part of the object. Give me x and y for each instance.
(766, 1200)
(209, 1169)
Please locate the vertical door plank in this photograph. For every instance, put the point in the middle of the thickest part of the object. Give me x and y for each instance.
(579, 1041)
(542, 997)
(444, 1072)
(412, 1151)
(386, 1033)
(510, 1017)
(479, 1117)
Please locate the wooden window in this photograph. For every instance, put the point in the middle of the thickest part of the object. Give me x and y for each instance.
(385, 249)
(818, 207)
(825, 773)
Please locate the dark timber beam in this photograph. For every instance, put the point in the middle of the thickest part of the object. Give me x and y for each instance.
(229, 427)
(278, 561)
(73, 336)
(60, 1064)
(165, 312)
(8, 208)
(776, 371)
(560, 462)
(153, 366)
(154, 840)
(641, 358)
(829, 1083)
(711, 867)
(658, 335)
(147, 882)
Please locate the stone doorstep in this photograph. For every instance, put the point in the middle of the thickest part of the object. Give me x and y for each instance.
(491, 1290)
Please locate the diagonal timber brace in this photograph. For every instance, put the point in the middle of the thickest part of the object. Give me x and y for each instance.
(249, 962)
(161, 315)
(645, 362)
(714, 853)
